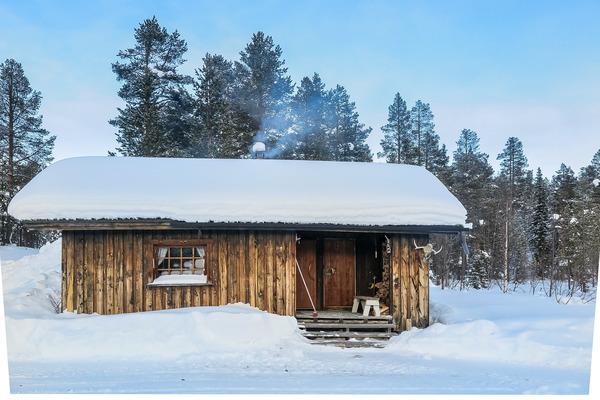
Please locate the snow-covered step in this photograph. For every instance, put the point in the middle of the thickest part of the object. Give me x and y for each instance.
(344, 325)
(350, 343)
(349, 335)
(365, 320)
(339, 315)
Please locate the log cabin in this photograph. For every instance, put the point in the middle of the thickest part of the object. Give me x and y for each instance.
(141, 234)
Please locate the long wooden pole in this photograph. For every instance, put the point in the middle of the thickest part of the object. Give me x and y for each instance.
(315, 314)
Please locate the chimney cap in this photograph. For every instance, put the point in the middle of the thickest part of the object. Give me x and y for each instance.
(258, 147)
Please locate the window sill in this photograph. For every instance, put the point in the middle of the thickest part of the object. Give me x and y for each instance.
(188, 284)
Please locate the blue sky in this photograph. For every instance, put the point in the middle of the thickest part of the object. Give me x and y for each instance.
(507, 68)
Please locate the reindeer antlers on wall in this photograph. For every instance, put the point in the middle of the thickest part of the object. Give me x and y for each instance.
(427, 249)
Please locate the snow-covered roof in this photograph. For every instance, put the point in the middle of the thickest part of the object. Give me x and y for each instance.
(238, 191)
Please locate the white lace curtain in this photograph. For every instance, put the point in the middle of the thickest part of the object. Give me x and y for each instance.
(162, 253)
(199, 264)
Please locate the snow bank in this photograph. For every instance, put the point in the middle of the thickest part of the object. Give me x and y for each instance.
(202, 332)
(29, 280)
(12, 252)
(516, 328)
(484, 340)
(247, 191)
(36, 333)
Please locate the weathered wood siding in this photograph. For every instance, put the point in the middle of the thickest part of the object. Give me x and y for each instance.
(108, 272)
(410, 282)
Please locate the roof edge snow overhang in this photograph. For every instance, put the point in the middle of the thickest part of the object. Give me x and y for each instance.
(168, 224)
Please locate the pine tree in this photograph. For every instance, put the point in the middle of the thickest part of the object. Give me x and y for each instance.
(513, 168)
(421, 122)
(265, 90)
(513, 176)
(425, 146)
(25, 146)
(348, 135)
(589, 181)
(541, 225)
(151, 82)
(397, 142)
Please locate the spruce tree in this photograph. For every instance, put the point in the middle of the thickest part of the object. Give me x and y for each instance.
(265, 91)
(564, 186)
(477, 273)
(471, 182)
(589, 219)
(179, 123)
(348, 135)
(311, 136)
(540, 227)
(152, 85)
(567, 210)
(25, 146)
(397, 142)
(471, 176)
(221, 128)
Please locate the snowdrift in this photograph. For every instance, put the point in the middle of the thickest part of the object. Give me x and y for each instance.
(204, 333)
(484, 340)
(36, 333)
(30, 279)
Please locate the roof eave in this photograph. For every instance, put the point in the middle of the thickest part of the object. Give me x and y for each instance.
(168, 224)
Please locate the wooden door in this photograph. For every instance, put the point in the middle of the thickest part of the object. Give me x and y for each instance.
(339, 279)
(306, 253)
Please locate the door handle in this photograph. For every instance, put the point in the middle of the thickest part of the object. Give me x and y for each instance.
(330, 271)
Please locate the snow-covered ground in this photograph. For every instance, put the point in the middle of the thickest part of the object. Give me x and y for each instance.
(10, 253)
(485, 342)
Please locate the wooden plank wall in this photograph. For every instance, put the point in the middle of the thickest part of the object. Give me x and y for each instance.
(107, 272)
(410, 282)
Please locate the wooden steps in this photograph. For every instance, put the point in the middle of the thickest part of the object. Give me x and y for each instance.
(346, 329)
(348, 335)
(340, 316)
(349, 343)
(345, 325)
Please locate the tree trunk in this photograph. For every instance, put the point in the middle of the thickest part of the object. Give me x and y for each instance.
(506, 230)
(10, 160)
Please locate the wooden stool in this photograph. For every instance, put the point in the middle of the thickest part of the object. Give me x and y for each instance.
(367, 303)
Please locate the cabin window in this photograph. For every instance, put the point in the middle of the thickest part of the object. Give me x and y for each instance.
(180, 264)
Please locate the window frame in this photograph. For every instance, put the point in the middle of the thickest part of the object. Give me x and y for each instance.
(192, 243)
